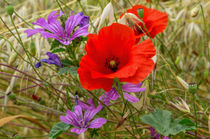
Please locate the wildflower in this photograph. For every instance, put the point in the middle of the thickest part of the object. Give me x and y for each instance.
(128, 87)
(88, 106)
(155, 135)
(181, 105)
(154, 21)
(53, 59)
(81, 122)
(113, 54)
(51, 28)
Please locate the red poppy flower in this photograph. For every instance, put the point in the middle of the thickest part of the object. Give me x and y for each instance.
(113, 54)
(154, 20)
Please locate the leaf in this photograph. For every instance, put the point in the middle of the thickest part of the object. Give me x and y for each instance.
(5, 120)
(58, 128)
(66, 62)
(71, 70)
(163, 123)
(58, 50)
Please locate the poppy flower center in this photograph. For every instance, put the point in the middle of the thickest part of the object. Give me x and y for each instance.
(112, 63)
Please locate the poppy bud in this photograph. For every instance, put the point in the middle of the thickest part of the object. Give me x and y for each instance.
(193, 88)
(140, 12)
(10, 9)
(195, 11)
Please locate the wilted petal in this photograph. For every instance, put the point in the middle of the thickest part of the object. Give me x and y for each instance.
(108, 11)
(130, 98)
(97, 123)
(78, 131)
(86, 106)
(129, 87)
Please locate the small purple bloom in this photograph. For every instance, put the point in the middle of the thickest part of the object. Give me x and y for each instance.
(155, 135)
(82, 122)
(53, 59)
(51, 28)
(89, 106)
(84, 21)
(128, 87)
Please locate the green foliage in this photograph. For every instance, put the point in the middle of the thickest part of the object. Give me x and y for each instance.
(163, 123)
(67, 70)
(58, 50)
(58, 128)
(66, 62)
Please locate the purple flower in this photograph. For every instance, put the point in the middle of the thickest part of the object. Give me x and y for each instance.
(53, 59)
(155, 135)
(51, 28)
(82, 123)
(128, 87)
(89, 106)
(84, 21)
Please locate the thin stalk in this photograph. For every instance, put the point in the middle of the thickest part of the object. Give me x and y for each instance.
(195, 115)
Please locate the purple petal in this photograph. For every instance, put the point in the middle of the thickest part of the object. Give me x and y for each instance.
(86, 106)
(89, 114)
(54, 58)
(84, 21)
(78, 131)
(130, 98)
(82, 31)
(112, 94)
(129, 87)
(72, 22)
(69, 119)
(152, 132)
(61, 13)
(31, 32)
(97, 123)
(105, 99)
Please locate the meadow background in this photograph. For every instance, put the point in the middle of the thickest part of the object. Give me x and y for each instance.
(183, 57)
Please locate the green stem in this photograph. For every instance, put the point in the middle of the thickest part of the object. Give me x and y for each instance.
(195, 115)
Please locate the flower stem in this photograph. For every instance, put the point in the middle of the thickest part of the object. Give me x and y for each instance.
(83, 135)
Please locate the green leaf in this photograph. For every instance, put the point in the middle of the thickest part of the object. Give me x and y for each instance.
(71, 70)
(58, 50)
(58, 128)
(66, 62)
(163, 123)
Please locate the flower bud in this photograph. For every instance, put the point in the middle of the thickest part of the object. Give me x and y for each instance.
(10, 9)
(32, 48)
(140, 12)
(193, 88)
(195, 11)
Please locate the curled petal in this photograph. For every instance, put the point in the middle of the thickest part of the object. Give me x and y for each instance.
(112, 94)
(130, 98)
(133, 87)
